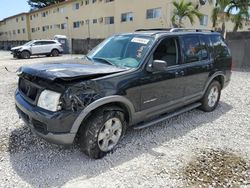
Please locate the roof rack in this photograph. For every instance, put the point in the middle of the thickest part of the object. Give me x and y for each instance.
(154, 29)
(190, 29)
(175, 29)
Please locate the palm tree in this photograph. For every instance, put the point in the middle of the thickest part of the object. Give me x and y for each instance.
(242, 7)
(219, 11)
(184, 9)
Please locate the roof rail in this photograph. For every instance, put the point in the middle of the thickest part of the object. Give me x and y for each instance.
(175, 29)
(154, 29)
(190, 29)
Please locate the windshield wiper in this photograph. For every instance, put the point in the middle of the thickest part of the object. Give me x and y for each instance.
(103, 60)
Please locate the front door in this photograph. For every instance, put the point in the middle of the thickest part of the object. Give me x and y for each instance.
(163, 90)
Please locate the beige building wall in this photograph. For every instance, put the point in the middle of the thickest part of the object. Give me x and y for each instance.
(98, 11)
(15, 28)
(91, 18)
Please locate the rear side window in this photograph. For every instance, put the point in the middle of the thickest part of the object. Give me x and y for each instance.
(195, 49)
(47, 42)
(191, 45)
(220, 47)
(204, 45)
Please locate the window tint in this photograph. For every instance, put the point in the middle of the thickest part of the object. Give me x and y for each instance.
(220, 47)
(204, 45)
(191, 48)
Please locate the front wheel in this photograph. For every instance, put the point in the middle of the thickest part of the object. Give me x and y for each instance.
(102, 132)
(55, 53)
(25, 55)
(212, 96)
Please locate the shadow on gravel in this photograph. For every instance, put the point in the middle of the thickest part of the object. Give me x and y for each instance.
(41, 164)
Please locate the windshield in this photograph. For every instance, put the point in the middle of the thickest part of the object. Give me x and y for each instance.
(122, 50)
(28, 43)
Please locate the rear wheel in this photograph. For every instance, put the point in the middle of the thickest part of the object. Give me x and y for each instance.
(102, 132)
(212, 96)
(25, 55)
(54, 53)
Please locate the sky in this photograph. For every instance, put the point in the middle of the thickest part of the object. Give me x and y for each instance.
(12, 7)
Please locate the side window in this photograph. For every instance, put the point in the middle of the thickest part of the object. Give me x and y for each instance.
(37, 43)
(167, 51)
(204, 46)
(220, 47)
(192, 50)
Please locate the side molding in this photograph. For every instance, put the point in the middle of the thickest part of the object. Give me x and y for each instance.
(98, 103)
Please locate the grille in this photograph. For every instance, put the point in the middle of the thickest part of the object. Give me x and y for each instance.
(28, 89)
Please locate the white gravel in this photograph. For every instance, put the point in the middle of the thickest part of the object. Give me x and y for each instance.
(152, 157)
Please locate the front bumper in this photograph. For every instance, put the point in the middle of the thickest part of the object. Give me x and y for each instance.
(52, 126)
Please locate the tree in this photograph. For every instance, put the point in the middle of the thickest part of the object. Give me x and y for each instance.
(184, 9)
(241, 7)
(219, 11)
(36, 4)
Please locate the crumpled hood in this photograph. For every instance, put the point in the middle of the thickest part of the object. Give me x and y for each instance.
(68, 70)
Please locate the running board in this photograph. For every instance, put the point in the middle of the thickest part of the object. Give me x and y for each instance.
(153, 122)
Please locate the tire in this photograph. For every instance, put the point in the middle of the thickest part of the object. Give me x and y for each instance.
(212, 97)
(102, 132)
(54, 53)
(25, 54)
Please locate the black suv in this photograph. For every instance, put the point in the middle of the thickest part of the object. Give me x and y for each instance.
(129, 80)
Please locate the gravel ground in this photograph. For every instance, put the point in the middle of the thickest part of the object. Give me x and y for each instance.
(194, 149)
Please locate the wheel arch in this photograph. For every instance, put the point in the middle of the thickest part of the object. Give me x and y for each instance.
(218, 76)
(116, 100)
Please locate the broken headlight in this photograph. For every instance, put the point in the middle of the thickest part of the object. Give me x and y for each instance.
(49, 100)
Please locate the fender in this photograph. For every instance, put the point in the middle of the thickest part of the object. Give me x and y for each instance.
(98, 103)
(219, 73)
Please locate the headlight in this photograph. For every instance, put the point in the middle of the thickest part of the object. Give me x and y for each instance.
(49, 100)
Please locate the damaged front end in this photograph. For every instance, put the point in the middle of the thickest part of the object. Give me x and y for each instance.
(80, 95)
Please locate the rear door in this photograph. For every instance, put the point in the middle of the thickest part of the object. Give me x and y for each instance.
(197, 65)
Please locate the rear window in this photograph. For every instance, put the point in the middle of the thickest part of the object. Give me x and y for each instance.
(220, 47)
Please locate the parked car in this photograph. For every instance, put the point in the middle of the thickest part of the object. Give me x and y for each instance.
(130, 80)
(37, 47)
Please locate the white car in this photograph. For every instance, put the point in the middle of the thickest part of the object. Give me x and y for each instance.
(37, 47)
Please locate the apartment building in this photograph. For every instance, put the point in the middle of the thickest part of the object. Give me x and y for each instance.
(81, 19)
(15, 28)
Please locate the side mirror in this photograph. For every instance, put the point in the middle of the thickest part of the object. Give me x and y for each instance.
(159, 66)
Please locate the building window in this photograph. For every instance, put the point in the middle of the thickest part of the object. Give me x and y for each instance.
(109, 20)
(43, 14)
(16, 19)
(76, 24)
(86, 2)
(24, 30)
(57, 26)
(93, 1)
(204, 20)
(94, 21)
(127, 17)
(76, 6)
(45, 28)
(18, 31)
(63, 26)
(107, 1)
(153, 13)
(22, 18)
(32, 30)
